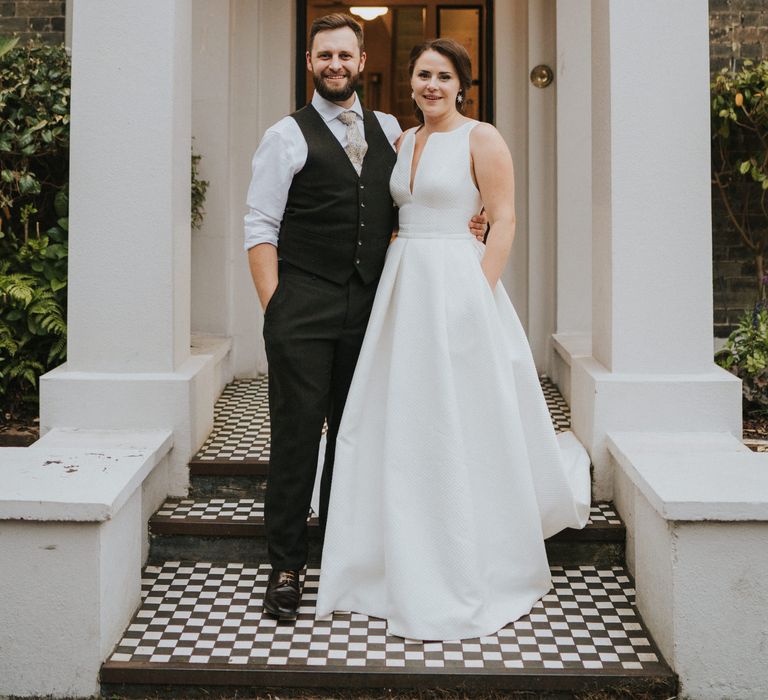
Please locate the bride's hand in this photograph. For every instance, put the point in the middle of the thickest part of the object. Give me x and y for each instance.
(478, 226)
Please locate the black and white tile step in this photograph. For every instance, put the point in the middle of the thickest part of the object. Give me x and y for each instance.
(202, 623)
(204, 515)
(240, 435)
(233, 530)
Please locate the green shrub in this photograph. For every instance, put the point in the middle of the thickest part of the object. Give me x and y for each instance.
(746, 355)
(34, 172)
(34, 169)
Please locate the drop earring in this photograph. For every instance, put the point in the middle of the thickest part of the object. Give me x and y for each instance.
(412, 96)
(459, 98)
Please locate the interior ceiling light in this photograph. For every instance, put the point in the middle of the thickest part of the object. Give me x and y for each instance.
(369, 13)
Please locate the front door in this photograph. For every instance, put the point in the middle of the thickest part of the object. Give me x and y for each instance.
(391, 31)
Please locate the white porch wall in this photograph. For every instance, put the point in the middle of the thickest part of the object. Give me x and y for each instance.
(261, 92)
(542, 184)
(651, 366)
(573, 87)
(511, 117)
(211, 259)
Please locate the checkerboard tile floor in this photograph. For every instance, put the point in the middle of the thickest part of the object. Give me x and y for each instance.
(240, 424)
(558, 408)
(251, 510)
(206, 613)
(241, 421)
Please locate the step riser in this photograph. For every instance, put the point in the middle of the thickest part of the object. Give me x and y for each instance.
(215, 486)
(253, 550)
(460, 686)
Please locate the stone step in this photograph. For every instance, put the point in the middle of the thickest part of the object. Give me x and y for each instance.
(201, 624)
(233, 530)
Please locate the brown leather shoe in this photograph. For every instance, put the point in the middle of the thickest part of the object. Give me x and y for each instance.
(283, 594)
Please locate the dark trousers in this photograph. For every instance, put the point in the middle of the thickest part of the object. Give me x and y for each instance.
(313, 330)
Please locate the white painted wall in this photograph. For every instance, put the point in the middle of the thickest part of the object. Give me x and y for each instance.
(696, 510)
(261, 93)
(211, 253)
(511, 115)
(542, 184)
(573, 90)
(73, 511)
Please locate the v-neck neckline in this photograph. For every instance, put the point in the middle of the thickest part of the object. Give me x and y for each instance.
(414, 171)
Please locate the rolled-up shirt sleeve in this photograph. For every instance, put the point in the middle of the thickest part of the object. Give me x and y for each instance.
(273, 166)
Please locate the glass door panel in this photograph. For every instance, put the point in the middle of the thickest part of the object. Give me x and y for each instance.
(464, 24)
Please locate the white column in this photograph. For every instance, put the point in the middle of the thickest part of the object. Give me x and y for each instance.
(651, 366)
(129, 363)
(653, 271)
(129, 186)
(573, 90)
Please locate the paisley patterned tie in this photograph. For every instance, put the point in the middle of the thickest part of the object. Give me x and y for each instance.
(356, 145)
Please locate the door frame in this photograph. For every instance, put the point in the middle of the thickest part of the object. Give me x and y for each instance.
(486, 50)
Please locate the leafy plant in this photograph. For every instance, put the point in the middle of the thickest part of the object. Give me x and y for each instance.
(199, 189)
(746, 354)
(34, 170)
(34, 164)
(740, 156)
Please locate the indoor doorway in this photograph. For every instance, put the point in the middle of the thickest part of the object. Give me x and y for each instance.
(391, 31)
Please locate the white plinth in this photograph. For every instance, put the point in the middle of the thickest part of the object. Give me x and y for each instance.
(603, 402)
(180, 401)
(73, 513)
(696, 510)
(565, 348)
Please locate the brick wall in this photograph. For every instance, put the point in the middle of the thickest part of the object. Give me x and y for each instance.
(738, 30)
(30, 18)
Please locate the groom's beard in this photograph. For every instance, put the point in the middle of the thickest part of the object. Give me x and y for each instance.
(339, 94)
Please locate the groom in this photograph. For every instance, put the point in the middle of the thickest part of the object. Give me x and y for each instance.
(319, 223)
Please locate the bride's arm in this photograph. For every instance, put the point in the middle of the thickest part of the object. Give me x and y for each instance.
(494, 175)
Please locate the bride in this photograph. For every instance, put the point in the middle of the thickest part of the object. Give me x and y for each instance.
(448, 474)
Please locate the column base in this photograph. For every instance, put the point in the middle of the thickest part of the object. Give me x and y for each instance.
(180, 401)
(603, 401)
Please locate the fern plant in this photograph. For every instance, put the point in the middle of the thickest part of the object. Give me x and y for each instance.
(34, 165)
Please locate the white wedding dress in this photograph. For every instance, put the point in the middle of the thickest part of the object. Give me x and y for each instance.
(448, 473)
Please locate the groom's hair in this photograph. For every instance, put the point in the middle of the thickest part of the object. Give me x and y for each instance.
(337, 20)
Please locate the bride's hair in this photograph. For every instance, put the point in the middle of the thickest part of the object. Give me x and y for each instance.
(457, 55)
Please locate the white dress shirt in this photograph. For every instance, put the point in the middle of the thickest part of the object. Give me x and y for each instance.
(281, 154)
